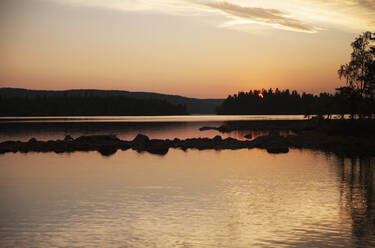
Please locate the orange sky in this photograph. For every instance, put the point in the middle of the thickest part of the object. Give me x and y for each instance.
(187, 47)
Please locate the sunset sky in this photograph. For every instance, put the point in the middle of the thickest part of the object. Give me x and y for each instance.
(196, 48)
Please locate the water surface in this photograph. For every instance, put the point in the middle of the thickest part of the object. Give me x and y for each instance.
(126, 127)
(166, 118)
(243, 198)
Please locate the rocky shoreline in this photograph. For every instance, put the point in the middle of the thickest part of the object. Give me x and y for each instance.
(273, 143)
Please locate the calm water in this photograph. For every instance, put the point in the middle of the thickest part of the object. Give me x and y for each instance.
(243, 198)
(127, 127)
(167, 118)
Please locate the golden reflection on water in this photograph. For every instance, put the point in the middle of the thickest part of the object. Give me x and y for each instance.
(244, 198)
(127, 131)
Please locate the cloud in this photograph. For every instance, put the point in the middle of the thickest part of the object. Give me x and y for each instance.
(174, 7)
(368, 4)
(273, 17)
(357, 8)
(295, 15)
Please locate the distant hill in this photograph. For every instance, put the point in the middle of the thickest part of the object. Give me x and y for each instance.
(193, 105)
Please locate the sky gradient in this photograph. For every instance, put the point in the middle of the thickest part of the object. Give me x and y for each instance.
(196, 48)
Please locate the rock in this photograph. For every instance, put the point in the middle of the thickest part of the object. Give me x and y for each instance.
(230, 143)
(107, 150)
(98, 139)
(277, 149)
(140, 140)
(9, 146)
(58, 148)
(248, 136)
(175, 143)
(109, 144)
(197, 143)
(157, 146)
(262, 141)
(124, 145)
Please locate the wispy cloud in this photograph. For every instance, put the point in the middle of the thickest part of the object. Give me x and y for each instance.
(368, 4)
(295, 15)
(273, 17)
(179, 7)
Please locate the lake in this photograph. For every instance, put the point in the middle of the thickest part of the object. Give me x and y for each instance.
(242, 198)
(125, 127)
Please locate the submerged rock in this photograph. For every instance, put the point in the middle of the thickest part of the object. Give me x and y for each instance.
(140, 140)
(109, 144)
(248, 136)
(157, 146)
(97, 139)
(277, 149)
(107, 150)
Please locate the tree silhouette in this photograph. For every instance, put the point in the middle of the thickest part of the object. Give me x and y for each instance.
(359, 74)
(370, 79)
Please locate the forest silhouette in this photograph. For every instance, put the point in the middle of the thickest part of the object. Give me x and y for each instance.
(86, 105)
(285, 102)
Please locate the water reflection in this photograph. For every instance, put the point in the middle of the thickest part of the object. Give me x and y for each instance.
(140, 119)
(127, 131)
(243, 198)
(357, 197)
(124, 130)
(125, 127)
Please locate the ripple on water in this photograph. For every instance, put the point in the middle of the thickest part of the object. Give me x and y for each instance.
(244, 198)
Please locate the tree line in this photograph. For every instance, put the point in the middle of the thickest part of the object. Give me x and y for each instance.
(355, 98)
(283, 102)
(85, 105)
